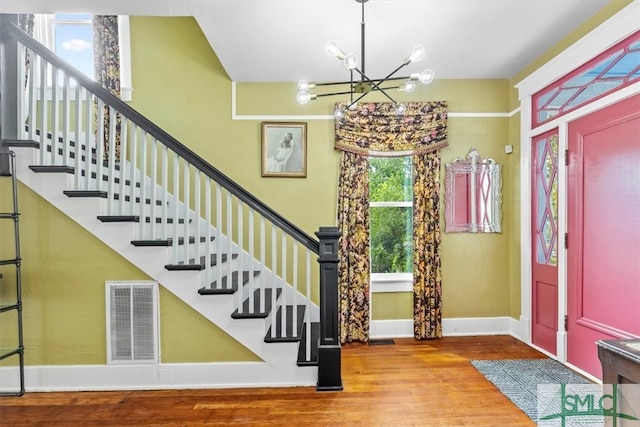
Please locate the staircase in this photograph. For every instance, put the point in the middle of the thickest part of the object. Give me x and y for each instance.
(173, 215)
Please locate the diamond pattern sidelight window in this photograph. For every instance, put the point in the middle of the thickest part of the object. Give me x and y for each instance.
(614, 69)
(546, 198)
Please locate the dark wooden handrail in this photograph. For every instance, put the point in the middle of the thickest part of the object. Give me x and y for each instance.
(163, 137)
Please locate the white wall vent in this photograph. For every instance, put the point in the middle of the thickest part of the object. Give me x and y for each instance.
(132, 322)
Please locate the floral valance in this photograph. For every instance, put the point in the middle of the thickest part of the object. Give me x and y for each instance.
(375, 129)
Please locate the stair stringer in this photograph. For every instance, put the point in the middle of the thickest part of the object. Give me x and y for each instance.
(279, 358)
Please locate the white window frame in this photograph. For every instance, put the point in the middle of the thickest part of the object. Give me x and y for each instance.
(391, 282)
(46, 37)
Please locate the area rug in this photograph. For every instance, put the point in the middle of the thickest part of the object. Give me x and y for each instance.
(518, 379)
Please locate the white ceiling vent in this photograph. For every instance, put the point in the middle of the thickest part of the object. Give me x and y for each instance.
(132, 322)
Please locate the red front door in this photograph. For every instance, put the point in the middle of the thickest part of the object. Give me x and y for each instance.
(544, 235)
(603, 257)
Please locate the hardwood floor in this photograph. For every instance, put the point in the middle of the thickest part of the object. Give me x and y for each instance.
(409, 383)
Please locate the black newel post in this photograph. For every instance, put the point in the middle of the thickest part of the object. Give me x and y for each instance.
(329, 363)
(8, 89)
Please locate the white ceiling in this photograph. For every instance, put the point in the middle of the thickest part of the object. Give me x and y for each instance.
(283, 40)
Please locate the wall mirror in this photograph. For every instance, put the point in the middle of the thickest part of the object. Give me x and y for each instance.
(473, 195)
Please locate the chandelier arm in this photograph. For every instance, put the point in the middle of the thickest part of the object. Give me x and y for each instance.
(384, 88)
(319, 95)
(365, 94)
(378, 88)
(394, 78)
(334, 83)
(350, 81)
(388, 77)
(375, 84)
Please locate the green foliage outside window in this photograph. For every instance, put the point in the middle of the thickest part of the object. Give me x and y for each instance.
(391, 226)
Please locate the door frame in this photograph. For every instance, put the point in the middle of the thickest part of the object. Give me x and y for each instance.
(618, 27)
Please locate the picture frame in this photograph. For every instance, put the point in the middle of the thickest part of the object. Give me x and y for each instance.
(284, 149)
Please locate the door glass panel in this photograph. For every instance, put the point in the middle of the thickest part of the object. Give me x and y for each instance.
(546, 196)
(607, 72)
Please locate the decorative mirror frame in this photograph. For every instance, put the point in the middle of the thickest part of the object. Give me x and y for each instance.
(482, 207)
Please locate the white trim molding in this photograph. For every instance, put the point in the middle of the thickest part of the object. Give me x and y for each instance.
(155, 377)
(236, 116)
(451, 327)
(616, 28)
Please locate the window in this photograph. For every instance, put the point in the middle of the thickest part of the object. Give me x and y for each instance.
(611, 70)
(73, 41)
(545, 199)
(70, 36)
(391, 223)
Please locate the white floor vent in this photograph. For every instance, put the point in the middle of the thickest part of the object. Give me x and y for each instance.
(132, 322)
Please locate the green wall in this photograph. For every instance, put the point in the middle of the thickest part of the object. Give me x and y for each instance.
(64, 270)
(179, 84)
(191, 99)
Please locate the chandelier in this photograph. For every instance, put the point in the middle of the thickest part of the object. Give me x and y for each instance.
(362, 84)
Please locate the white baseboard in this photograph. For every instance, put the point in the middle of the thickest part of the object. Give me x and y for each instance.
(452, 327)
(225, 375)
(154, 377)
(520, 328)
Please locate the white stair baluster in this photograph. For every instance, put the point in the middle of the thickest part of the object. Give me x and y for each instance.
(153, 180)
(307, 312)
(111, 166)
(66, 121)
(283, 300)
(240, 264)
(42, 113)
(143, 184)
(186, 193)
(196, 218)
(124, 143)
(99, 144)
(165, 192)
(77, 176)
(209, 233)
(229, 240)
(274, 260)
(294, 315)
(219, 238)
(251, 284)
(21, 101)
(176, 206)
(263, 237)
(34, 71)
(55, 116)
(133, 164)
(88, 133)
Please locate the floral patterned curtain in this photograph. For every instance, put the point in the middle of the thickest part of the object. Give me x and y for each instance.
(106, 51)
(427, 295)
(353, 248)
(374, 129)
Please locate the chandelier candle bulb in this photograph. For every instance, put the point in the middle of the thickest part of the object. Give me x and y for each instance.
(350, 61)
(417, 54)
(305, 85)
(333, 50)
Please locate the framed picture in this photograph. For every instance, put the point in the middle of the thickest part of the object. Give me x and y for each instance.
(284, 149)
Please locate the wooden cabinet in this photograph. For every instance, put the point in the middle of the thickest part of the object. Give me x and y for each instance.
(620, 361)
